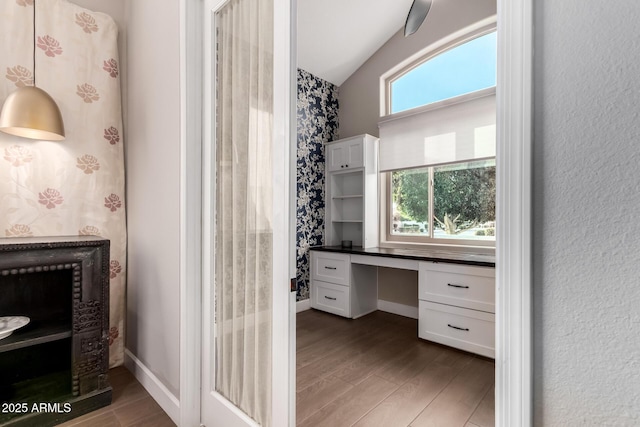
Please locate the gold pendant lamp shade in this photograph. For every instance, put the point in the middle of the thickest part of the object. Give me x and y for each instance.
(30, 112)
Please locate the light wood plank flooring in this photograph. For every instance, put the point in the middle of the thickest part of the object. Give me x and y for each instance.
(131, 406)
(375, 371)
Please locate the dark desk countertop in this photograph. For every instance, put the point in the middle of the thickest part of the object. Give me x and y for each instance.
(434, 255)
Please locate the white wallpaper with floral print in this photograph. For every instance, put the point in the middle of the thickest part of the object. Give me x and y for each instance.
(317, 124)
(73, 187)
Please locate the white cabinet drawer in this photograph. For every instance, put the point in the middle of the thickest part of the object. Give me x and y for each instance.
(468, 330)
(330, 267)
(460, 285)
(331, 298)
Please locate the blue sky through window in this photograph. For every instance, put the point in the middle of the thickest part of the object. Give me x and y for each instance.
(463, 69)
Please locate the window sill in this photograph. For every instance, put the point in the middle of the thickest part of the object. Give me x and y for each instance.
(472, 249)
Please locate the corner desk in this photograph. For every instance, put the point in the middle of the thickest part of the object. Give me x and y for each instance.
(456, 290)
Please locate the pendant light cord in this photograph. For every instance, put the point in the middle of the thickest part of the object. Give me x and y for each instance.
(34, 43)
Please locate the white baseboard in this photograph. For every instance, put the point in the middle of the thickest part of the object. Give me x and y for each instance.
(303, 305)
(160, 393)
(399, 309)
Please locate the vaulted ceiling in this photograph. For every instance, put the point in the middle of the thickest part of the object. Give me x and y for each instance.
(335, 37)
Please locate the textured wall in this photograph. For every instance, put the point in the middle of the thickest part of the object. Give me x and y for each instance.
(317, 124)
(586, 232)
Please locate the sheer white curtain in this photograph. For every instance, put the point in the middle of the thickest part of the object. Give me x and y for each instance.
(243, 252)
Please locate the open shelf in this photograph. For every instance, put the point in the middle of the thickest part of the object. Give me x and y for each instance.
(350, 196)
(346, 230)
(54, 387)
(347, 209)
(346, 185)
(36, 332)
(61, 356)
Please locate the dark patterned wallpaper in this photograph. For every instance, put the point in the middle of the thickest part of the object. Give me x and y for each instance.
(317, 124)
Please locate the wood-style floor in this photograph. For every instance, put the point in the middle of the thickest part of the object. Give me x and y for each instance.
(375, 371)
(132, 406)
(372, 371)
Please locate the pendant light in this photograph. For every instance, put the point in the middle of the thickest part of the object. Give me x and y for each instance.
(30, 112)
(417, 13)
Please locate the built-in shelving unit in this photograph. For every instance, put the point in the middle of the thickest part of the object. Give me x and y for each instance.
(352, 191)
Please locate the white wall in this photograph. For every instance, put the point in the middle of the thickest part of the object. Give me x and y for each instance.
(586, 260)
(153, 170)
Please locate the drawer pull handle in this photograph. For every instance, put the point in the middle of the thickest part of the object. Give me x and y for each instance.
(329, 268)
(458, 328)
(458, 286)
(331, 298)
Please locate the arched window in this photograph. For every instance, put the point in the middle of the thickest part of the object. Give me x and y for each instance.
(459, 70)
(437, 144)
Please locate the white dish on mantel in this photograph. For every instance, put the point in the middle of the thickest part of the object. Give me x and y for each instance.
(8, 324)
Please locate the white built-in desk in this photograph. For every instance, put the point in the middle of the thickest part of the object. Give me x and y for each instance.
(456, 290)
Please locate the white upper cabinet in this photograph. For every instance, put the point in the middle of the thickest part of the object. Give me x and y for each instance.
(346, 154)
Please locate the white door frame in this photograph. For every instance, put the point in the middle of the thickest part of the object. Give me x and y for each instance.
(513, 254)
(513, 242)
(191, 207)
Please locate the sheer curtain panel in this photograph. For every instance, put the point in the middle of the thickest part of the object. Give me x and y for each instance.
(243, 230)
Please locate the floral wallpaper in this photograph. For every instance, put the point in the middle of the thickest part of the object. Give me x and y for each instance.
(76, 186)
(317, 124)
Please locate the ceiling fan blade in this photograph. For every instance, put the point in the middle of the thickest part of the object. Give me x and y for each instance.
(417, 13)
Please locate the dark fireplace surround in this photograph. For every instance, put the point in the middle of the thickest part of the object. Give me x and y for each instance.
(55, 368)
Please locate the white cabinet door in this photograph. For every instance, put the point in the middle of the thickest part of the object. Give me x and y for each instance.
(345, 154)
(355, 154)
(335, 156)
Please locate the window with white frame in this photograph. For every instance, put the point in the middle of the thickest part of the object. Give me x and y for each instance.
(466, 67)
(437, 146)
(455, 201)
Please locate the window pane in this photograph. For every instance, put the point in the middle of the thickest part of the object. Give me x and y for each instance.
(464, 200)
(410, 193)
(465, 68)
